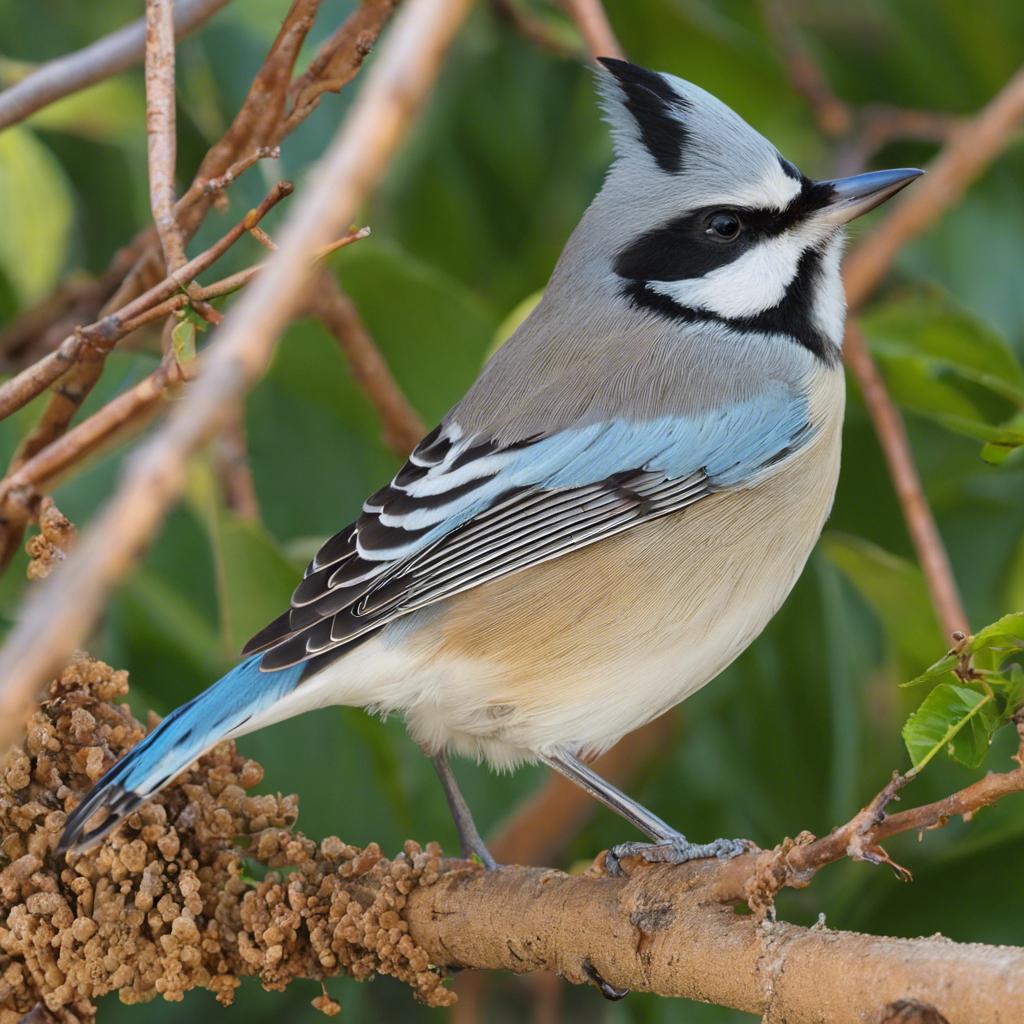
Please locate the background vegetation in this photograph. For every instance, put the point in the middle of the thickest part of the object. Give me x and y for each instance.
(805, 727)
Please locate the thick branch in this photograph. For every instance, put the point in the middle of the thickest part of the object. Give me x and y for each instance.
(137, 916)
(56, 619)
(99, 60)
(662, 930)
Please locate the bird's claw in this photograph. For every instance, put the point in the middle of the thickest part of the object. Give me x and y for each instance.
(677, 850)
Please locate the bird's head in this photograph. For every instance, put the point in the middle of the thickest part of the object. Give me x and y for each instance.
(704, 220)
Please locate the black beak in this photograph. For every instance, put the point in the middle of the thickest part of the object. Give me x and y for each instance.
(853, 196)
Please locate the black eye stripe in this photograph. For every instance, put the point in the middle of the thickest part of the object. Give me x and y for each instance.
(680, 250)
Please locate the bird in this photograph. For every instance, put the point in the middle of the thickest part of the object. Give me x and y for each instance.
(615, 509)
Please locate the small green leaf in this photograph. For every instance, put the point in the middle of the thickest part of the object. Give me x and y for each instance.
(183, 337)
(198, 322)
(996, 450)
(955, 717)
(1006, 633)
(945, 664)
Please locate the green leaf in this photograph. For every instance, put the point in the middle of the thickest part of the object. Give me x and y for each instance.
(895, 589)
(35, 214)
(945, 664)
(183, 337)
(1006, 441)
(931, 328)
(955, 717)
(1003, 635)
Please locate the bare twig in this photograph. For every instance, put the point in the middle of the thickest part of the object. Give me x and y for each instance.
(126, 414)
(337, 61)
(232, 457)
(56, 619)
(970, 150)
(402, 427)
(895, 445)
(255, 123)
(882, 124)
(833, 115)
(594, 26)
(757, 877)
(968, 153)
(99, 60)
(535, 30)
(98, 338)
(161, 128)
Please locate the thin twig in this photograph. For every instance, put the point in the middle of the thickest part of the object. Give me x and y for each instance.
(161, 128)
(402, 428)
(231, 449)
(757, 877)
(537, 31)
(337, 61)
(98, 338)
(833, 115)
(99, 60)
(895, 445)
(594, 26)
(55, 619)
(963, 159)
(124, 415)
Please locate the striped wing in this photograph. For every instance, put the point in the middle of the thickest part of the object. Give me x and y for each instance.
(463, 511)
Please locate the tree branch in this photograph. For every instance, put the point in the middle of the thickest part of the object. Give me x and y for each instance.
(161, 128)
(55, 619)
(895, 445)
(594, 26)
(973, 147)
(136, 915)
(99, 60)
(402, 428)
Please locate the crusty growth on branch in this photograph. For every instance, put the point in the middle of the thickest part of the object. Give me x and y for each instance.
(168, 902)
(163, 907)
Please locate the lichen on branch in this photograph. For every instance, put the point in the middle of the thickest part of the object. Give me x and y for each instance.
(168, 903)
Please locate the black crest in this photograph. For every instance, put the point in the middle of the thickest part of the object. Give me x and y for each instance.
(655, 106)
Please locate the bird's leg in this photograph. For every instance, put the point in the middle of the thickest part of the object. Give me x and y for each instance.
(669, 846)
(470, 842)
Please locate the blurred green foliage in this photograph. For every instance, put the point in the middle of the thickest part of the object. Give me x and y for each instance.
(805, 727)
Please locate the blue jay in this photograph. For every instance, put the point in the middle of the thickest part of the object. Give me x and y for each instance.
(616, 508)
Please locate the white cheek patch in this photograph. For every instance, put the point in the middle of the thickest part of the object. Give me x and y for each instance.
(751, 284)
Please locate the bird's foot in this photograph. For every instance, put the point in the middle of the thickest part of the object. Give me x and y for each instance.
(677, 850)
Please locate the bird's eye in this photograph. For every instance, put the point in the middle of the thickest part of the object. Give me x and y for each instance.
(724, 226)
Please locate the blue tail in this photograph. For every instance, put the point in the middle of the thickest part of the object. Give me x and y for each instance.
(185, 734)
